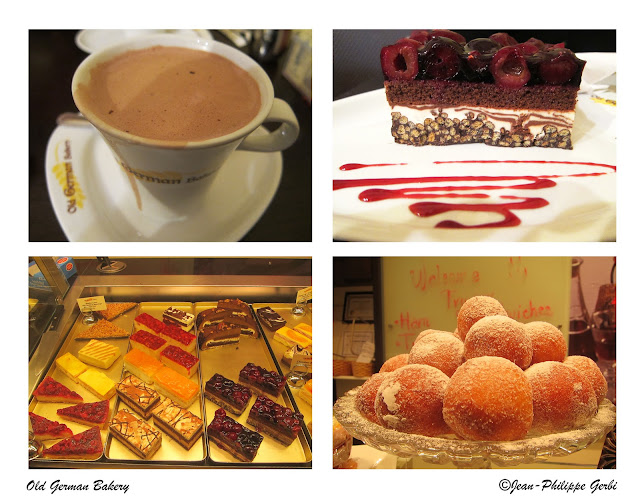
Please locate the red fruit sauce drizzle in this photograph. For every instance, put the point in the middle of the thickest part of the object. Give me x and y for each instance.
(430, 208)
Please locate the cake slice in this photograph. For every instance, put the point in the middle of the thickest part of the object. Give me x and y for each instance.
(235, 438)
(87, 413)
(227, 394)
(234, 305)
(137, 395)
(52, 391)
(86, 445)
(293, 351)
(279, 422)
(115, 309)
(45, 429)
(141, 365)
(180, 360)
(288, 336)
(179, 424)
(263, 381)
(148, 343)
(136, 434)
(103, 329)
(174, 316)
(218, 334)
(443, 90)
(100, 354)
(305, 392)
(305, 329)
(174, 335)
(179, 388)
(98, 383)
(71, 366)
(148, 323)
(270, 318)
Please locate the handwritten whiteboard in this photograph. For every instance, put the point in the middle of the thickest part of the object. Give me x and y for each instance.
(426, 292)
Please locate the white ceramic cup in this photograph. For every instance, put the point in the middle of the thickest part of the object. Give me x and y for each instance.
(169, 179)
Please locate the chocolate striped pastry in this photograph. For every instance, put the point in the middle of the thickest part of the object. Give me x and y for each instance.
(137, 395)
(137, 435)
(180, 424)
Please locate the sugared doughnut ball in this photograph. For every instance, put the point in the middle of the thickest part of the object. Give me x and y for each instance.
(589, 368)
(424, 333)
(476, 308)
(441, 350)
(547, 342)
(499, 336)
(563, 398)
(394, 363)
(366, 396)
(489, 398)
(410, 400)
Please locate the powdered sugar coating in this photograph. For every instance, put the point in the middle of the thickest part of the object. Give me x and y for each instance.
(424, 333)
(563, 398)
(394, 363)
(489, 398)
(589, 368)
(499, 336)
(439, 349)
(476, 308)
(366, 396)
(547, 342)
(410, 400)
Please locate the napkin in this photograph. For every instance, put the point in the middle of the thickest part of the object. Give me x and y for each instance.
(599, 75)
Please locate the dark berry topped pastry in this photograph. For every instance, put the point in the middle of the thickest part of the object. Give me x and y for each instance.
(273, 419)
(446, 90)
(270, 318)
(233, 437)
(265, 382)
(228, 394)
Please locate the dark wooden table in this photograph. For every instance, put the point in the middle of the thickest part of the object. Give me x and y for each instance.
(53, 58)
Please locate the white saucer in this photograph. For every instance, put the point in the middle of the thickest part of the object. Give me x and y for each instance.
(92, 40)
(93, 199)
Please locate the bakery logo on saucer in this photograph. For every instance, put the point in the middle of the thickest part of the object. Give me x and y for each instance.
(163, 177)
(63, 170)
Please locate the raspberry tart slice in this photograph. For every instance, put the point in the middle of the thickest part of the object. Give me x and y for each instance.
(227, 394)
(44, 429)
(180, 360)
(86, 445)
(52, 391)
(233, 437)
(279, 422)
(148, 343)
(263, 381)
(87, 413)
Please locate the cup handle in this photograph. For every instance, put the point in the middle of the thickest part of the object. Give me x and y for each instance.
(281, 138)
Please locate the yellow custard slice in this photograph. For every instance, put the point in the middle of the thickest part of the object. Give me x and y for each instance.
(100, 354)
(97, 383)
(179, 388)
(289, 337)
(71, 366)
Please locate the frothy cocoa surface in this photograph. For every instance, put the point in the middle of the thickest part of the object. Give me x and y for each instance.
(171, 93)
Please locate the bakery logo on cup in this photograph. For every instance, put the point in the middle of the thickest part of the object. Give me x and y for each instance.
(63, 170)
(164, 177)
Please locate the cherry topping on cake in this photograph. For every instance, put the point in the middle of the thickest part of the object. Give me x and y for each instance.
(482, 46)
(400, 61)
(509, 68)
(559, 68)
(440, 58)
(424, 36)
(504, 39)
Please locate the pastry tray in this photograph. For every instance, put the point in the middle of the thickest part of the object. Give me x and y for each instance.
(227, 360)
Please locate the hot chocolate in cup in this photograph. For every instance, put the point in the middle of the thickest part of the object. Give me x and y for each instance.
(173, 109)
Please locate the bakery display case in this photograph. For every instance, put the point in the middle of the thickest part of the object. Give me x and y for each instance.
(143, 388)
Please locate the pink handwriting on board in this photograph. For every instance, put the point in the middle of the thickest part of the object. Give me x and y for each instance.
(531, 312)
(423, 278)
(411, 326)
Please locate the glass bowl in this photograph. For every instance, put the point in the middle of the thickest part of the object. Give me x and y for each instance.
(473, 454)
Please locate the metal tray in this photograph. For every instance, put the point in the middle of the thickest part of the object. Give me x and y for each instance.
(170, 452)
(228, 360)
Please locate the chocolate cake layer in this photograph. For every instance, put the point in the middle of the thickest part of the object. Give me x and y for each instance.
(453, 93)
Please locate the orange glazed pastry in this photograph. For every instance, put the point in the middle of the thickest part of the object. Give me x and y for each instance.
(141, 365)
(177, 387)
